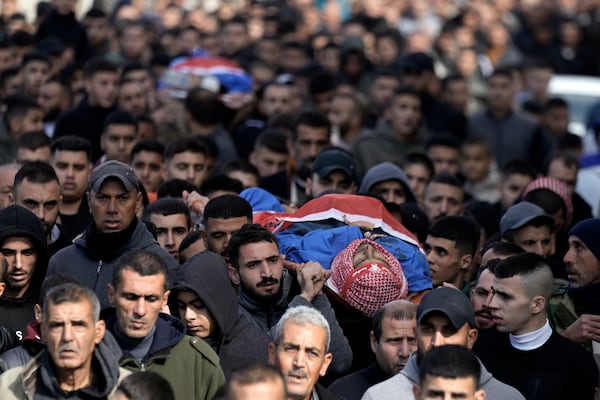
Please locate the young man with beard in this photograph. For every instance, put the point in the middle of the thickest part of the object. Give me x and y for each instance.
(23, 245)
(266, 287)
(37, 188)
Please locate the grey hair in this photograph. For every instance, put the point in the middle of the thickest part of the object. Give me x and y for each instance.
(302, 315)
(71, 293)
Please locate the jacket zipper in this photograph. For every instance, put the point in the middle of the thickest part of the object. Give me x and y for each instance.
(97, 273)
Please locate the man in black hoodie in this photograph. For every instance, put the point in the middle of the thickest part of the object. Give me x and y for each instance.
(203, 298)
(23, 244)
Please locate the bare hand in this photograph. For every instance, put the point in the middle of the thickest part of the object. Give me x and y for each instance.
(195, 201)
(585, 329)
(311, 277)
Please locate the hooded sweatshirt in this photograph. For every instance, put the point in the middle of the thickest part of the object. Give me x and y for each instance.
(92, 262)
(37, 379)
(400, 386)
(233, 336)
(187, 363)
(17, 312)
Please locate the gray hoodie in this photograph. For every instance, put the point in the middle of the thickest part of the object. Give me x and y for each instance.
(400, 386)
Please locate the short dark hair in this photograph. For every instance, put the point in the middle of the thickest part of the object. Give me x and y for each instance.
(33, 140)
(313, 119)
(35, 172)
(463, 230)
(242, 166)
(249, 233)
(203, 106)
(31, 57)
(419, 159)
(18, 106)
(189, 240)
(182, 145)
(567, 159)
(143, 263)
(150, 146)
(146, 385)
(555, 102)
(443, 141)
(174, 188)
(503, 248)
(226, 207)
(72, 143)
(519, 167)
(550, 201)
(501, 72)
(97, 65)
(220, 182)
(255, 372)
(168, 206)
(450, 361)
(446, 179)
(532, 268)
(119, 117)
(273, 139)
(403, 91)
(401, 310)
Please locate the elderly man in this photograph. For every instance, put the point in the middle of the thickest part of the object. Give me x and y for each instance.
(114, 198)
(583, 269)
(301, 351)
(80, 361)
(153, 341)
(527, 353)
(445, 316)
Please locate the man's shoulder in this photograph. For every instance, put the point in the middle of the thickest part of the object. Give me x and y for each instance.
(192, 347)
(393, 388)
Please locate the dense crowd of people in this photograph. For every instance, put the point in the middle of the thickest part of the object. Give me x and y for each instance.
(294, 199)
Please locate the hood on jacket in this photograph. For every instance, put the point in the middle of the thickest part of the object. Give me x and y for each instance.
(205, 274)
(105, 364)
(17, 221)
(386, 171)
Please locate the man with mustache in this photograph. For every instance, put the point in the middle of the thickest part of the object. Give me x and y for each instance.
(37, 188)
(154, 341)
(80, 361)
(481, 291)
(266, 288)
(583, 272)
(526, 352)
(114, 198)
(444, 316)
(301, 351)
(23, 245)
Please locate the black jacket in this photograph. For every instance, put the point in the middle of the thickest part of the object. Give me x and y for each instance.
(16, 313)
(234, 338)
